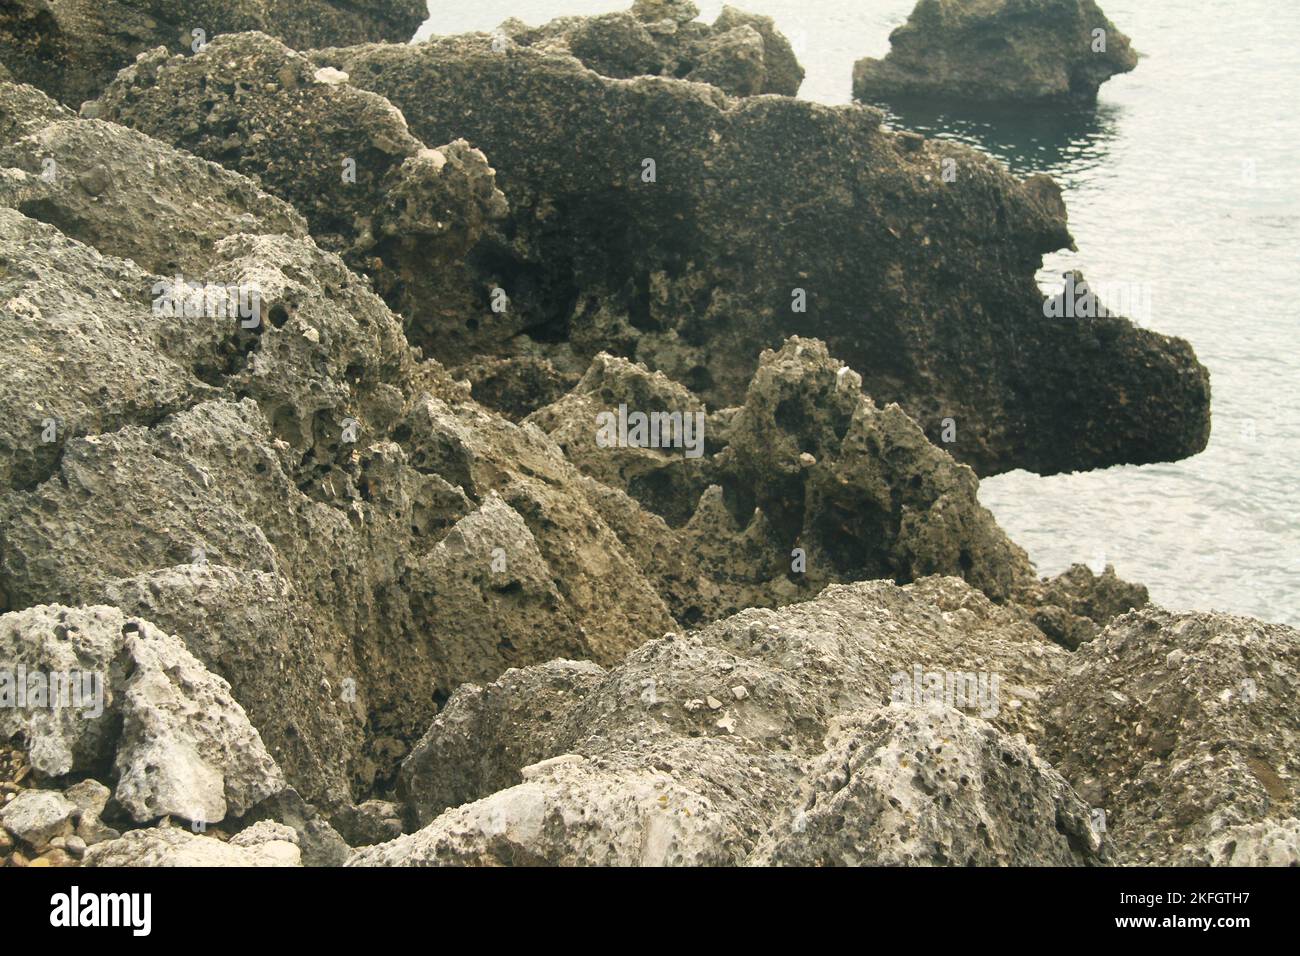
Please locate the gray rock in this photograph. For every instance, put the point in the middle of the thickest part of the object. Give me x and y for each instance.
(523, 711)
(741, 53)
(1038, 51)
(1272, 843)
(72, 48)
(172, 846)
(265, 831)
(178, 742)
(930, 786)
(637, 769)
(84, 647)
(111, 188)
(1181, 727)
(187, 748)
(38, 816)
(406, 215)
(90, 796)
(699, 294)
(369, 822)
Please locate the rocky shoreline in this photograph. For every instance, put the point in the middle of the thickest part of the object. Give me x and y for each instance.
(313, 552)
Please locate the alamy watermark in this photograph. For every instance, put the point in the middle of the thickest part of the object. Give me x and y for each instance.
(963, 690)
(36, 689)
(684, 430)
(1079, 299)
(178, 299)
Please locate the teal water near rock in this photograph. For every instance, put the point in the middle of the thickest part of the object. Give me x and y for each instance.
(1183, 186)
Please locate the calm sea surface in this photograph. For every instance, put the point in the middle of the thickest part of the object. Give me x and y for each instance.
(1184, 192)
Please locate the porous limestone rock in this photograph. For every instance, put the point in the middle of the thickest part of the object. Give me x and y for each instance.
(742, 54)
(38, 816)
(691, 748)
(1037, 51)
(930, 787)
(177, 741)
(1184, 728)
(410, 217)
(769, 216)
(173, 846)
(72, 48)
(136, 198)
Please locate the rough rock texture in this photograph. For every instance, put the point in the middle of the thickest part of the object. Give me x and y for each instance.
(520, 713)
(178, 742)
(172, 846)
(1074, 606)
(331, 595)
(998, 50)
(72, 48)
(24, 109)
(38, 816)
(806, 484)
(296, 476)
(1184, 728)
(279, 677)
(741, 53)
(930, 787)
(111, 188)
(1257, 844)
(925, 287)
(187, 748)
(406, 215)
(688, 751)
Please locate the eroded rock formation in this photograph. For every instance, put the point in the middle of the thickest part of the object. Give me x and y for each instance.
(72, 48)
(1036, 51)
(352, 556)
(802, 219)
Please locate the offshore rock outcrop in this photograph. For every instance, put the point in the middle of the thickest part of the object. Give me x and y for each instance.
(72, 48)
(803, 219)
(1037, 51)
(784, 196)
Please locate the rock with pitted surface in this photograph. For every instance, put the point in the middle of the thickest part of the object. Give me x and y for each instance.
(410, 217)
(742, 54)
(72, 48)
(807, 483)
(690, 750)
(135, 699)
(1035, 51)
(930, 787)
(172, 846)
(521, 711)
(110, 187)
(1184, 728)
(665, 222)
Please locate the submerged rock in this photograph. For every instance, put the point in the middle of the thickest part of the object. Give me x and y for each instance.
(998, 50)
